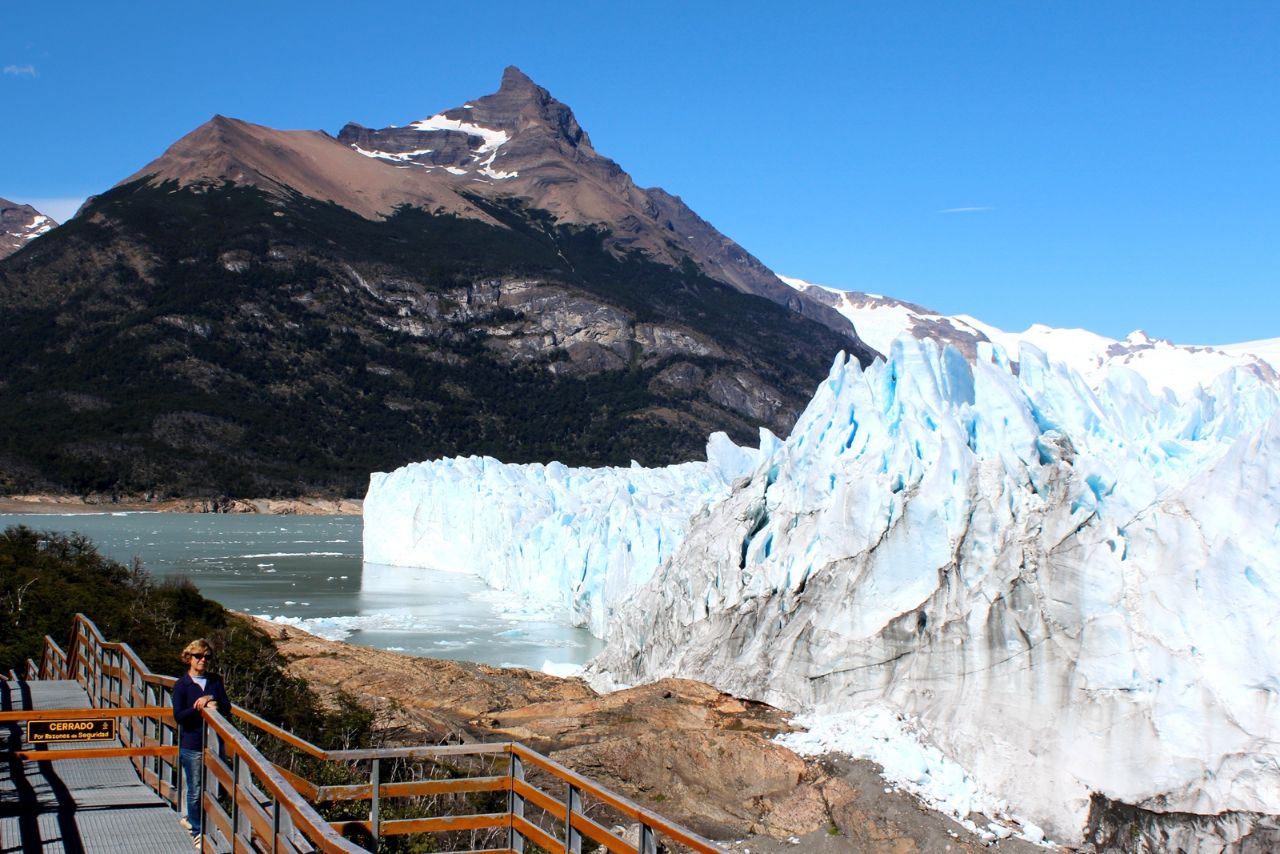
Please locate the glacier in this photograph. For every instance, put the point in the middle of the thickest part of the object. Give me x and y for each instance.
(1072, 585)
(574, 540)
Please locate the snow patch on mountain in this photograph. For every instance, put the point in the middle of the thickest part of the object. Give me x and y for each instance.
(20, 224)
(493, 139)
(1177, 367)
(399, 157)
(1267, 349)
(878, 320)
(39, 225)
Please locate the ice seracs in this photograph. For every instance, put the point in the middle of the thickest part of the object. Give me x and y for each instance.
(1073, 593)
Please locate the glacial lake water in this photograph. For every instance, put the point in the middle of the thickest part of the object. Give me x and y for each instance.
(308, 570)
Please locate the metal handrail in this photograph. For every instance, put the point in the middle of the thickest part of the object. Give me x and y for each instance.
(107, 669)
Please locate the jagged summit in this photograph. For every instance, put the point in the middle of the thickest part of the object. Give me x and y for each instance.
(522, 142)
(524, 106)
(20, 224)
(514, 80)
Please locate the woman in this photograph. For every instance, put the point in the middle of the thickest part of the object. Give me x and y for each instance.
(197, 690)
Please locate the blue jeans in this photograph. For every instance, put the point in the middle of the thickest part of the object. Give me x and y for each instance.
(190, 761)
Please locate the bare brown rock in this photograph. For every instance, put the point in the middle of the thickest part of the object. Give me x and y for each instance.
(299, 161)
(700, 757)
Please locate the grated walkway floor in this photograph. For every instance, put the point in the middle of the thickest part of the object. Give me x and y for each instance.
(92, 806)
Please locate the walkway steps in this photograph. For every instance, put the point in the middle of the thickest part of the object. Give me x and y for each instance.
(76, 806)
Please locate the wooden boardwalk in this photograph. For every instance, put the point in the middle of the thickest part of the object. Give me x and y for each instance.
(74, 806)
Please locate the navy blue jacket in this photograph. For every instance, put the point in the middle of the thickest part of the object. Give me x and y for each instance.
(185, 694)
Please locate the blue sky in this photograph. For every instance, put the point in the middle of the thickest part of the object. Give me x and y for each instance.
(1106, 165)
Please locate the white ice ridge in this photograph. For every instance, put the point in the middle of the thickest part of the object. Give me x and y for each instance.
(1074, 592)
(579, 538)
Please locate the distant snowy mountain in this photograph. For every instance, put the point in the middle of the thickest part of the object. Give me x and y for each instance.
(1181, 368)
(1068, 584)
(878, 319)
(20, 224)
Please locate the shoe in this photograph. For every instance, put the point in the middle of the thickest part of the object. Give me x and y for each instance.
(197, 840)
(186, 825)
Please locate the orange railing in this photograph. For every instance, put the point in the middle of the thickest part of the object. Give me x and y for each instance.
(253, 804)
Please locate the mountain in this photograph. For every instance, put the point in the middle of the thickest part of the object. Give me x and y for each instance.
(524, 143)
(261, 313)
(1180, 368)
(1069, 590)
(20, 224)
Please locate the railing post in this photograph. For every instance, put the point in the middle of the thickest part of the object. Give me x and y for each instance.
(275, 825)
(572, 836)
(236, 817)
(648, 842)
(515, 806)
(375, 783)
(204, 776)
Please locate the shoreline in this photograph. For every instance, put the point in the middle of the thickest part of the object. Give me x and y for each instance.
(62, 504)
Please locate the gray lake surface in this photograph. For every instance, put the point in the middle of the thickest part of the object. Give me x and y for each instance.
(307, 570)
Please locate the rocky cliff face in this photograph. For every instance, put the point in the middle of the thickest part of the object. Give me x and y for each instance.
(19, 224)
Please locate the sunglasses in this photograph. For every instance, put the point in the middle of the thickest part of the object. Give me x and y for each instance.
(202, 655)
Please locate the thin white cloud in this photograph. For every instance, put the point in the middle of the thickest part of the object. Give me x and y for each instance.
(965, 210)
(20, 70)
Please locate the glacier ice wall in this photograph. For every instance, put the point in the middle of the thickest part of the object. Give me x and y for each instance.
(581, 539)
(1074, 591)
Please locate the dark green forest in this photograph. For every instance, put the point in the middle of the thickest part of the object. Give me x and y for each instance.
(46, 579)
(134, 360)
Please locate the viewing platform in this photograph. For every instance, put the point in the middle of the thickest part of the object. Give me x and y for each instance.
(75, 805)
(116, 787)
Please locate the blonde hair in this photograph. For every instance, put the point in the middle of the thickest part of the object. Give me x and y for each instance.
(197, 645)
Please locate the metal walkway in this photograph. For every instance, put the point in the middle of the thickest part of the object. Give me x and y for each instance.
(74, 806)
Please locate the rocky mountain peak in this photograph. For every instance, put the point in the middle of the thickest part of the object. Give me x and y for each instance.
(515, 80)
(518, 109)
(19, 224)
(521, 142)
